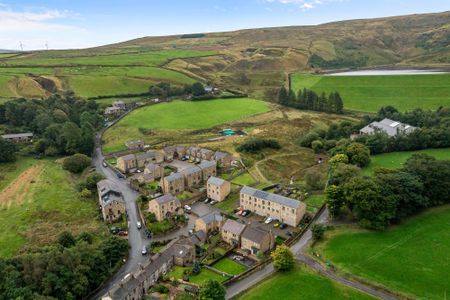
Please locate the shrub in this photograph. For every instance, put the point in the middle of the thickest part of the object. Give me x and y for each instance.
(254, 145)
(283, 259)
(315, 180)
(66, 239)
(76, 163)
(318, 231)
(317, 146)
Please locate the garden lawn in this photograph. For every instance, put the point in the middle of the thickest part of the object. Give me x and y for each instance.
(180, 115)
(395, 160)
(42, 206)
(370, 93)
(244, 179)
(300, 284)
(314, 202)
(205, 274)
(411, 258)
(229, 266)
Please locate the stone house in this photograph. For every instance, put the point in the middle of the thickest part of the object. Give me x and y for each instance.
(154, 170)
(209, 222)
(180, 152)
(135, 285)
(110, 200)
(223, 159)
(254, 240)
(113, 111)
(191, 152)
(172, 184)
(205, 154)
(169, 153)
(164, 207)
(142, 178)
(151, 156)
(209, 168)
(126, 163)
(192, 176)
(231, 232)
(18, 137)
(286, 210)
(217, 188)
(135, 145)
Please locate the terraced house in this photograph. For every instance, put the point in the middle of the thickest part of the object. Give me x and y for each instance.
(209, 168)
(164, 207)
(132, 161)
(256, 240)
(209, 222)
(172, 184)
(110, 200)
(232, 231)
(287, 210)
(192, 176)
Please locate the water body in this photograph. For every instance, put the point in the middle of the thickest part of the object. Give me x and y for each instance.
(387, 72)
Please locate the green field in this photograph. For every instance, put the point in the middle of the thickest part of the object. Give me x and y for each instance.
(395, 160)
(370, 93)
(301, 284)
(39, 205)
(244, 179)
(229, 266)
(176, 115)
(411, 258)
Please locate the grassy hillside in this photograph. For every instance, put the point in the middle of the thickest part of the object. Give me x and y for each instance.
(41, 199)
(253, 60)
(396, 160)
(411, 258)
(370, 93)
(301, 284)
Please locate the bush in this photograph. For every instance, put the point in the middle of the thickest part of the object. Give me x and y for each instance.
(315, 180)
(318, 231)
(66, 239)
(308, 139)
(76, 163)
(254, 145)
(283, 259)
(317, 146)
(7, 150)
(212, 289)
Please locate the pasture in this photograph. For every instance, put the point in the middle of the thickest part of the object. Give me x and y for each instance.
(300, 284)
(37, 202)
(395, 160)
(370, 93)
(411, 258)
(180, 115)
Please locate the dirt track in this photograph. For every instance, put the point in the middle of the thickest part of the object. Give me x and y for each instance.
(18, 189)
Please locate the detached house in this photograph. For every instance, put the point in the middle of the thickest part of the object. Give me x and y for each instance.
(209, 222)
(256, 240)
(127, 163)
(172, 184)
(232, 231)
(110, 200)
(164, 207)
(154, 170)
(217, 189)
(135, 145)
(388, 126)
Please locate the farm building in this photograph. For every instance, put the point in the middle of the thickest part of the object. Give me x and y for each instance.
(388, 126)
(18, 137)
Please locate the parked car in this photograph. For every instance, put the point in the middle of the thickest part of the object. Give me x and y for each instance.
(147, 233)
(114, 230)
(144, 250)
(104, 165)
(120, 176)
(138, 225)
(268, 220)
(238, 258)
(276, 224)
(244, 213)
(187, 208)
(206, 200)
(213, 202)
(289, 233)
(248, 212)
(283, 226)
(139, 171)
(191, 232)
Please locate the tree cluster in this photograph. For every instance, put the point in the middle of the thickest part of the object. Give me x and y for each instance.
(212, 290)
(76, 163)
(166, 90)
(283, 259)
(308, 99)
(69, 269)
(390, 195)
(61, 124)
(8, 151)
(255, 145)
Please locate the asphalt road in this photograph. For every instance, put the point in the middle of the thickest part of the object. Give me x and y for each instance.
(136, 237)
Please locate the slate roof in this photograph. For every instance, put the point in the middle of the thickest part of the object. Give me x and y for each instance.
(271, 197)
(128, 157)
(17, 135)
(151, 167)
(191, 170)
(216, 181)
(108, 191)
(256, 235)
(167, 198)
(212, 217)
(173, 177)
(233, 227)
(388, 126)
(219, 155)
(206, 164)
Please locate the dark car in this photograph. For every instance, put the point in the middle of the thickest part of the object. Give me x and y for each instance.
(120, 176)
(114, 230)
(283, 226)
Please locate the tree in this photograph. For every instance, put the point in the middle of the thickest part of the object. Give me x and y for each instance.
(283, 259)
(71, 134)
(317, 146)
(341, 173)
(76, 163)
(66, 239)
(307, 140)
(283, 96)
(335, 199)
(184, 296)
(318, 230)
(198, 89)
(338, 103)
(338, 159)
(314, 179)
(358, 154)
(85, 193)
(7, 150)
(212, 290)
